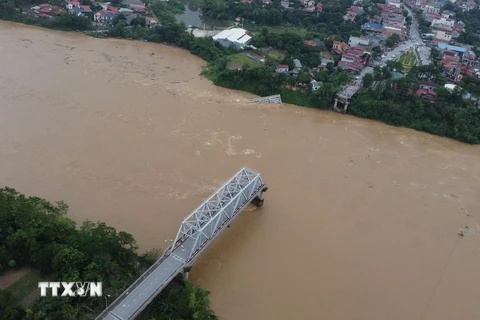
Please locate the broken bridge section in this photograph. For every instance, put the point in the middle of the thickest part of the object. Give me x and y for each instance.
(196, 232)
(345, 96)
(270, 99)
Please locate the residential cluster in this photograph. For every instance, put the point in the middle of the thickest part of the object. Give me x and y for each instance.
(457, 59)
(390, 22)
(352, 56)
(102, 13)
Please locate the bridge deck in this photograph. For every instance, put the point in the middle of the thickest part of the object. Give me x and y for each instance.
(270, 99)
(348, 92)
(209, 219)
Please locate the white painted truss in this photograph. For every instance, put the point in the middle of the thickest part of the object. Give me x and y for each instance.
(205, 222)
(197, 230)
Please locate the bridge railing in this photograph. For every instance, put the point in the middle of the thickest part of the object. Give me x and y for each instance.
(210, 218)
(210, 209)
(219, 227)
(157, 291)
(133, 285)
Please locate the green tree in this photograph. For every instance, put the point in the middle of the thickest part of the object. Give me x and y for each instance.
(8, 308)
(376, 52)
(392, 40)
(368, 80)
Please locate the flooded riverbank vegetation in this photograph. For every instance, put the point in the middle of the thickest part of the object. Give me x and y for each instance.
(381, 98)
(450, 115)
(37, 234)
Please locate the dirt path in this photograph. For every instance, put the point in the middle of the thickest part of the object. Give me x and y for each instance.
(29, 300)
(12, 276)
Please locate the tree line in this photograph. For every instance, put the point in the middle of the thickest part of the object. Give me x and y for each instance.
(328, 22)
(394, 102)
(11, 10)
(262, 80)
(38, 234)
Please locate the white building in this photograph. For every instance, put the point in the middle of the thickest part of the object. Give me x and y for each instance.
(356, 41)
(237, 37)
(443, 21)
(443, 36)
(282, 68)
(394, 3)
(315, 85)
(435, 9)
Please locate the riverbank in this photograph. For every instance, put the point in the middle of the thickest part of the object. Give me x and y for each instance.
(389, 104)
(140, 140)
(57, 249)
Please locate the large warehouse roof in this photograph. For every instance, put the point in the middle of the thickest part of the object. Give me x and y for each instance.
(237, 35)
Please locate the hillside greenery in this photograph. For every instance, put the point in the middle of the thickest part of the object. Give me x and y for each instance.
(38, 234)
(393, 102)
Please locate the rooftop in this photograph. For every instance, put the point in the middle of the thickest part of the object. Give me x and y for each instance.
(238, 35)
(444, 46)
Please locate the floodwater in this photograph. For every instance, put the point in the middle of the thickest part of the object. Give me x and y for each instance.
(360, 221)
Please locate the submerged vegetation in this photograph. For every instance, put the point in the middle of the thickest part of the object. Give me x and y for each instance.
(37, 234)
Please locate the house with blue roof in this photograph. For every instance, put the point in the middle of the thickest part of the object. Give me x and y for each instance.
(371, 26)
(444, 46)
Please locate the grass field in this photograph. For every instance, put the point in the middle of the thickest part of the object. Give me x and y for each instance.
(276, 55)
(240, 58)
(280, 29)
(24, 286)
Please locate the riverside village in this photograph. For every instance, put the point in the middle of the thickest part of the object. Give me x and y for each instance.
(396, 35)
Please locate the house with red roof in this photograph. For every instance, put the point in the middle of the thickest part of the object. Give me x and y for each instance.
(151, 22)
(427, 85)
(104, 16)
(310, 8)
(43, 10)
(325, 58)
(281, 68)
(353, 59)
(339, 46)
(86, 9)
(426, 94)
(350, 16)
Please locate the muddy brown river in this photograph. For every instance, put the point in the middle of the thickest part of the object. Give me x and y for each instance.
(360, 221)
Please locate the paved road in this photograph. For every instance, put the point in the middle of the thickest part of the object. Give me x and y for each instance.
(414, 41)
(131, 302)
(146, 289)
(423, 52)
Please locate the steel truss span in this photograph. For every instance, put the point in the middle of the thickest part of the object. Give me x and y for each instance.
(205, 222)
(196, 232)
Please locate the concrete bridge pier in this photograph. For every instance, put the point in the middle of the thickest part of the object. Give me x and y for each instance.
(186, 273)
(340, 109)
(182, 277)
(258, 200)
